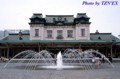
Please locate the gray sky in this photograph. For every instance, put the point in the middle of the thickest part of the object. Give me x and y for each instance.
(15, 14)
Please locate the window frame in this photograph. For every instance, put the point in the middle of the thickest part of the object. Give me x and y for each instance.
(49, 33)
(70, 33)
(83, 32)
(36, 34)
(59, 33)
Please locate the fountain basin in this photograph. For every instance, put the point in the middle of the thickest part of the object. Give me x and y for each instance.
(70, 59)
(60, 68)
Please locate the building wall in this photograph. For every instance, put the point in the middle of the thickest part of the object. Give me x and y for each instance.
(32, 32)
(43, 32)
(78, 32)
(55, 28)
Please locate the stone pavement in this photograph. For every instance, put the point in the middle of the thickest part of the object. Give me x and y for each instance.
(105, 72)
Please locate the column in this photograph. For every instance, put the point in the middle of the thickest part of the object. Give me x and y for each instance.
(111, 51)
(8, 52)
(4, 52)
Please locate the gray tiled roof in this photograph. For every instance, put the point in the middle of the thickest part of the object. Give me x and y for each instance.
(39, 15)
(16, 37)
(79, 15)
(93, 36)
(52, 18)
(103, 36)
(60, 19)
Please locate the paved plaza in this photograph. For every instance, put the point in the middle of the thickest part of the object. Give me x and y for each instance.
(105, 72)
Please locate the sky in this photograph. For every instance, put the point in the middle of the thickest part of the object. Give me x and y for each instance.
(15, 14)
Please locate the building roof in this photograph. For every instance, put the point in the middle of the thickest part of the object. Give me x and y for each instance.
(79, 15)
(39, 15)
(94, 37)
(59, 19)
(103, 36)
(55, 41)
(16, 37)
(64, 18)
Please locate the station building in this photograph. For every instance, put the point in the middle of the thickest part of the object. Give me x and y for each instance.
(56, 33)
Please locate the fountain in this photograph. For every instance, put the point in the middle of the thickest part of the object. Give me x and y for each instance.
(69, 59)
(59, 61)
(59, 64)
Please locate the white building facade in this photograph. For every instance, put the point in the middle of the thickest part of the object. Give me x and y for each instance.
(60, 27)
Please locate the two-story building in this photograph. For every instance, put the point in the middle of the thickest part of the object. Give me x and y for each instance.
(60, 27)
(56, 33)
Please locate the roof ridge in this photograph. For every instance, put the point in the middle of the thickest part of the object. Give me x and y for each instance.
(59, 15)
(100, 33)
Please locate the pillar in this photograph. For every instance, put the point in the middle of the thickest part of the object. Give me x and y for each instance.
(111, 51)
(4, 52)
(8, 52)
(13, 53)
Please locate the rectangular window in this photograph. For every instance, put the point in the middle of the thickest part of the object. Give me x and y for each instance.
(36, 32)
(59, 33)
(49, 33)
(82, 32)
(70, 33)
